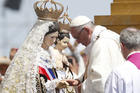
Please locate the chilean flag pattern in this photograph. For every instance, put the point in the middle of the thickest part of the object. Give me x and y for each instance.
(48, 72)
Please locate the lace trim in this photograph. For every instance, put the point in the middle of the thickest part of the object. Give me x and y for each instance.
(21, 74)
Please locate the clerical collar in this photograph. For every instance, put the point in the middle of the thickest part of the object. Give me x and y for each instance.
(134, 58)
(132, 53)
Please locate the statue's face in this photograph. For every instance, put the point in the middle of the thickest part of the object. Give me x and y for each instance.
(64, 42)
(51, 38)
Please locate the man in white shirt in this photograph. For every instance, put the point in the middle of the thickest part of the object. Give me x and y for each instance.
(102, 49)
(125, 78)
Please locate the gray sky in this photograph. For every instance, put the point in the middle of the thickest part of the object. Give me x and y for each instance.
(89, 8)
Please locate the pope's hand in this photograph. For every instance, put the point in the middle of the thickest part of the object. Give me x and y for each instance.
(62, 84)
(73, 82)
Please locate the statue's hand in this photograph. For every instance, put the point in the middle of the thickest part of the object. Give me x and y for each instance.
(73, 82)
(62, 84)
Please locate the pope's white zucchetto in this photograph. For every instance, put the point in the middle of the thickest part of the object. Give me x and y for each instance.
(79, 20)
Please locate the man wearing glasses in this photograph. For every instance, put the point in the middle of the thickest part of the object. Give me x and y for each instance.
(103, 51)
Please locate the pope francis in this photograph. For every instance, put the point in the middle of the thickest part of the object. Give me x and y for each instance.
(102, 49)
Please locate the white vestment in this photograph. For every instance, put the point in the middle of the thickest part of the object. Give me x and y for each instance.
(104, 54)
(124, 79)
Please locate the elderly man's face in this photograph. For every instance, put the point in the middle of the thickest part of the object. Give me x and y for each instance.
(82, 36)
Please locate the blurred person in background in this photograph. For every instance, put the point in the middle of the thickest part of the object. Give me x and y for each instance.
(74, 65)
(125, 78)
(4, 63)
(12, 53)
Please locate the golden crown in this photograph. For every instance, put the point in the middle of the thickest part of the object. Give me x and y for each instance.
(45, 13)
(64, 25)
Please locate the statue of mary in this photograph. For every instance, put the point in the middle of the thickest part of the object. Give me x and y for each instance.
(21, 75)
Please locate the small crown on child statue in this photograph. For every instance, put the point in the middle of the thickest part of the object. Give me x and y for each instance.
(45, 13)
(64, 25)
